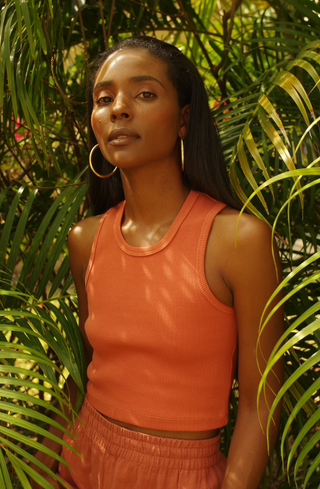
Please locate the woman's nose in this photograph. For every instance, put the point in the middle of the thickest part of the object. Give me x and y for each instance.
(120, 109)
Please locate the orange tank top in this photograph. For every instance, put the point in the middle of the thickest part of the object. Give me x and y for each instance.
(164, 346)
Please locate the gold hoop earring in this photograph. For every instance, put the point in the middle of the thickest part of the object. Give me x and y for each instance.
(182, 154)
(91, 165)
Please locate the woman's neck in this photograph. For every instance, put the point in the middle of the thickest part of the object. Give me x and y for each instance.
(152, 203)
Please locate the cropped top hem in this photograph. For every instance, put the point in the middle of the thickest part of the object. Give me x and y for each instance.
(154, 423)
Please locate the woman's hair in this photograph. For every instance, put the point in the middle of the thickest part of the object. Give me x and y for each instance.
(205, 168)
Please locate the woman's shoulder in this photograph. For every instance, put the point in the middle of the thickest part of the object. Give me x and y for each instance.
(246, 243)
(81, 238)
(241, 229)
(240, 240)
(85, 229)
(240, 251)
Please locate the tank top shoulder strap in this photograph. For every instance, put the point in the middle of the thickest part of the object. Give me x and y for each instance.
(208, 221)
(201, 252)
(204, 211)
(206, 228)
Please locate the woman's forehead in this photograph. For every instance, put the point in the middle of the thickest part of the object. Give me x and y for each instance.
(129, 62)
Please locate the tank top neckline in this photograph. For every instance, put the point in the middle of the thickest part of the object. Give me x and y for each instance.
(168, 237)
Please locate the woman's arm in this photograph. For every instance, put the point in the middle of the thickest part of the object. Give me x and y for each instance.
(252, 277)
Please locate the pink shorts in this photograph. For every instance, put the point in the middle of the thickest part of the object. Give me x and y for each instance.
(117, 458)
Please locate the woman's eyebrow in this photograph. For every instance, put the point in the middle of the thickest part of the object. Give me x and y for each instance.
(141, 78)
(136, 79)
(106, 83)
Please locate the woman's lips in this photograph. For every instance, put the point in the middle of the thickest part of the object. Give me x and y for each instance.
(122, 137)
(122, 140)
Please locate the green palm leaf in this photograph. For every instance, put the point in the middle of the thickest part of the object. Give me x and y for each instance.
(263, 62)
(28, 377)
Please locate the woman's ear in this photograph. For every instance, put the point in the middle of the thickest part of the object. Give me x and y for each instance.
(185, 111)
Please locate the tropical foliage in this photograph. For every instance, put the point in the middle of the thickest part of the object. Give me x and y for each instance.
(260, 61)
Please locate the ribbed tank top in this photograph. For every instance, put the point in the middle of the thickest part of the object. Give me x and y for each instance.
(164, 346)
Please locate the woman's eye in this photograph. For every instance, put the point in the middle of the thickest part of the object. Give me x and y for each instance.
(103, 100)
(147, 95)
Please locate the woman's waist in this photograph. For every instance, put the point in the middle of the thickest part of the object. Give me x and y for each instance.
(182, 435)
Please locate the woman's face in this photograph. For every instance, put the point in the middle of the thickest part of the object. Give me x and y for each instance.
(136, 117)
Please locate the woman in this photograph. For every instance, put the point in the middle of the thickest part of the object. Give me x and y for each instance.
(169, 300)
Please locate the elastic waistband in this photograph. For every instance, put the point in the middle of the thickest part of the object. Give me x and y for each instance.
(155, 450)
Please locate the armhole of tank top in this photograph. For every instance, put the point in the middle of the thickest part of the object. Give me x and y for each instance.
(201, 252)
(94, 246)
